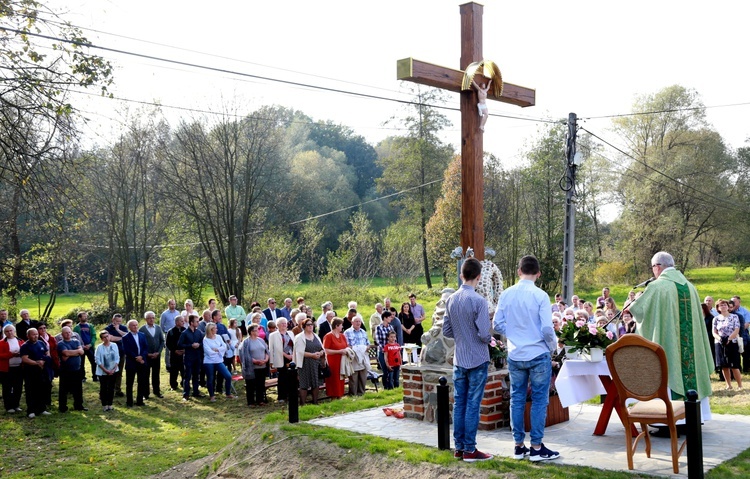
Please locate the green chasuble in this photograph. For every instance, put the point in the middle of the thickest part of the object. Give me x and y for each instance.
(669, 313)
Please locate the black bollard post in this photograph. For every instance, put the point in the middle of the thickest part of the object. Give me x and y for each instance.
(694, 435)
(293, 382)
(443, 415)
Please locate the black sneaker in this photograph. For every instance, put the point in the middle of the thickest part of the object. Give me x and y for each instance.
(521, 452)
(543, 454)
(475, 456)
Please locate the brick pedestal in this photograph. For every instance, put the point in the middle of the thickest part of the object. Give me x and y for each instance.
(420, 395)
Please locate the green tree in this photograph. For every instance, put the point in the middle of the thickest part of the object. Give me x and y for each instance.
(415, 163)
(444, 227)
(680, 175)
(357, 254)
(400, 256)
(360, 155)
(36, 119)
(542, 204)
(181, 263)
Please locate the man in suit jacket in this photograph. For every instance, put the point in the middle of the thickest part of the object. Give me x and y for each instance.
(325, 327)
(25, 324)
(155, 339)
(136, 363)
(272, 313)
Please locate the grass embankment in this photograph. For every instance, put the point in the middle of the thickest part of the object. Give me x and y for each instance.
(717, 282)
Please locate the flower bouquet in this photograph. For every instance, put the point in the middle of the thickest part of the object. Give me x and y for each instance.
(583, 336)
(497, 353)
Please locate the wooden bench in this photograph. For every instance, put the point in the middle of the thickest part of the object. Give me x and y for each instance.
(273, 382)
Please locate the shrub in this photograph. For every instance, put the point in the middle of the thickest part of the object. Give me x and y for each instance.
(340, 294)
(613, 272)
(98, 314)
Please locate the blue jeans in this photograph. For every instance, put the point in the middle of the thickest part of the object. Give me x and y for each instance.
(468, 390)
(211, 370)
(192, 367)
(390, 378)
(538, 372)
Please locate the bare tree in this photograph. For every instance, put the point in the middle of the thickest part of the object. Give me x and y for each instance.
(228, 172)
(127, 197)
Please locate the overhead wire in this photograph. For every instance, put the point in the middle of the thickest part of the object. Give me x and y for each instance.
(731, 205)
(259, 77)
(301, 221)
(669, 110)
(223, 57)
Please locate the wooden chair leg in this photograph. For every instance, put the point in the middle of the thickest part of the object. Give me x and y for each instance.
(629, 444)
(647, 438)
(673, 441)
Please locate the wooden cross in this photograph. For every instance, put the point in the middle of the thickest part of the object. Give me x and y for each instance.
(472, 145)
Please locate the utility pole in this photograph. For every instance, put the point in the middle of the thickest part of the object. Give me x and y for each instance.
(568, 184)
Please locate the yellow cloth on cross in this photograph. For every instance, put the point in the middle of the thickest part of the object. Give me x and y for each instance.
(669, 314)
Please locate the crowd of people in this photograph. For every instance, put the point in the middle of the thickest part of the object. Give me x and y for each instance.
(727, 328)
(200, 351)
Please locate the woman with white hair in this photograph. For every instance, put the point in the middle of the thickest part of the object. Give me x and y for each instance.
(281, 348)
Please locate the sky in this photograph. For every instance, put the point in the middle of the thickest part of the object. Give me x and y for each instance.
(589, 57)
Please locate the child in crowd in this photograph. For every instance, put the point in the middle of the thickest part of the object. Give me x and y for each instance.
(392, 351)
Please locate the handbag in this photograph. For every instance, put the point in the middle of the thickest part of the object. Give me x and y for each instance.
(324, 371)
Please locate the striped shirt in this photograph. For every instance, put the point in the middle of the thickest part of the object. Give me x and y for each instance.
(467, 321)
(356, 337)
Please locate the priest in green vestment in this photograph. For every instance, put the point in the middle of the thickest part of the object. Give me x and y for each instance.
(669, 313)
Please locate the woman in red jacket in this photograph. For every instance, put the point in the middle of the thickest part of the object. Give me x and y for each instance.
(10, 369)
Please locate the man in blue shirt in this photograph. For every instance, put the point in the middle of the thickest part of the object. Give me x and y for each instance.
(467, 321)
(167, 321)
(70, 352)
(523, 315)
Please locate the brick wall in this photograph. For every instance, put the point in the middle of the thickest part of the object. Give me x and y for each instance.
(420, 395)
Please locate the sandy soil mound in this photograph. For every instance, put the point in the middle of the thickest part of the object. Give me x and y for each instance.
(275, 455)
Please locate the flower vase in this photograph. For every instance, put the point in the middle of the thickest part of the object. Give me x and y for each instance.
(571, 355)
(595, 355)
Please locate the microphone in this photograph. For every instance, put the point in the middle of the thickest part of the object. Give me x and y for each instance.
(645, 283)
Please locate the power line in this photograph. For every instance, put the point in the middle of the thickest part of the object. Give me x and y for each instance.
(258, 77)
(671, 110)
(304, 220)
(702, 194)
(212, 112)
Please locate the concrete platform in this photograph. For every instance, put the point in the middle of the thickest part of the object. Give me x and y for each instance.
(724, 437)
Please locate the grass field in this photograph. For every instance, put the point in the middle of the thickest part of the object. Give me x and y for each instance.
(140, 442)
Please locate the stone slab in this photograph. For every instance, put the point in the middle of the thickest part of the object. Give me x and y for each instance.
(573, 439)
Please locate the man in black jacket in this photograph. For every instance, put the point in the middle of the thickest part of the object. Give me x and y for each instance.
(176, 353)
(191, 340)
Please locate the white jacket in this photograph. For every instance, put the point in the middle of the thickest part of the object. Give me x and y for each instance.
(276, 348)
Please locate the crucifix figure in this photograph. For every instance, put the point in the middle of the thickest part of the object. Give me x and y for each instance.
(482, 101)
(472, 146)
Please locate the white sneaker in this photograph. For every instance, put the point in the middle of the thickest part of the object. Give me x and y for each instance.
(32, 415)
(46, 413)
(11, 411)
(18, 409)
